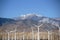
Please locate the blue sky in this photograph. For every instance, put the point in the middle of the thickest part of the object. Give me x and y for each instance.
(15, 8)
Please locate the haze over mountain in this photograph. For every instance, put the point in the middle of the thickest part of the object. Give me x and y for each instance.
(27, 21)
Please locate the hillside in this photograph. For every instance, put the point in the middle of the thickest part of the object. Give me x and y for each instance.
(29, 21)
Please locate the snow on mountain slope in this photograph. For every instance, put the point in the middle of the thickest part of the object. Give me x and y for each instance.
(39, 18)
(27, 21)
(28, 16)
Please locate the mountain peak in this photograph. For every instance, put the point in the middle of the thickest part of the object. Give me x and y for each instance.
(28, 16)
(27, 21)
(32, 15)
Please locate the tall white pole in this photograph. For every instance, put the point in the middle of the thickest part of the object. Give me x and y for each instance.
(59, 33)
(32, 33)
(59, 30)
(38, 34)
(8, 36)
(38, 31)
(15, 34)
(48, 35)
(23, 34)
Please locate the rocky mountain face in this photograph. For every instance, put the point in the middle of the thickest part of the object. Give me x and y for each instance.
(27, 22)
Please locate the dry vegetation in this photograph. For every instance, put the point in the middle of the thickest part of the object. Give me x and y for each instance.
(28, 35)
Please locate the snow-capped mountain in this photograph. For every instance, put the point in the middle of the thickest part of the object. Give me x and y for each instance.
(39, 18)
(28, 16)
(30, 20)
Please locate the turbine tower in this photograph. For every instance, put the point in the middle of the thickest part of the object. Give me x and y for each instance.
(8, 36)
(48, 35)
(38, 30)
(23, 34)
(8, 32)
(15, 30)
(15, 33)
(32, 33)
(59, 30)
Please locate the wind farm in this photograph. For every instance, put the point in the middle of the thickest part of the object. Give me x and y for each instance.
(32, 27)
(29, 19)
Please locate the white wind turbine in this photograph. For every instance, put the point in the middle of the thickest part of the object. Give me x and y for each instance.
(59, 33)
(49, 32)
(15, 32)
(12, 31)
(23, 34)
(8, 35)
(32, 33)
(38, 30)
(8, 32)
(59, 30)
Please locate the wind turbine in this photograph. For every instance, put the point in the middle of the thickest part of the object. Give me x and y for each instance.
(58, 27)
(49, 33)
(32, 33)
(8, 36)
(23, 34)
(59, 30)
(15, 32)
(8, 32)
(38, 30)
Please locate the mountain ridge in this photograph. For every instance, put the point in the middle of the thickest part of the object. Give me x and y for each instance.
(28, 22)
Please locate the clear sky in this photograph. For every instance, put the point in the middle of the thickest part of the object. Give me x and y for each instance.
(15, 8)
